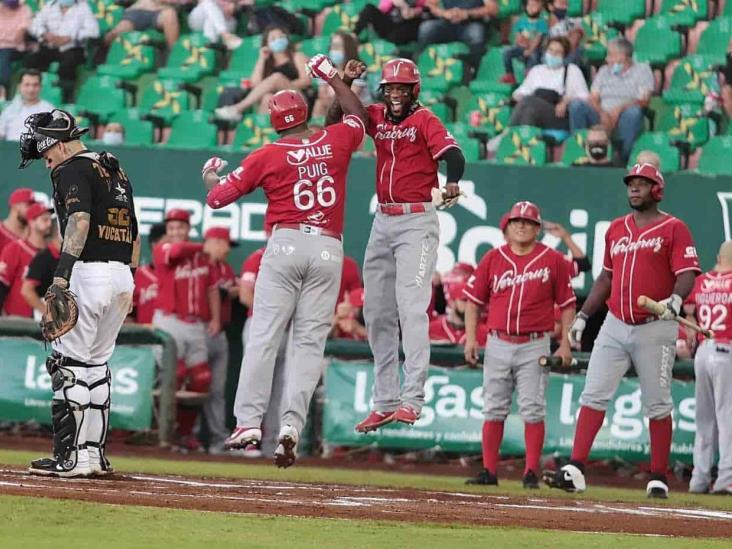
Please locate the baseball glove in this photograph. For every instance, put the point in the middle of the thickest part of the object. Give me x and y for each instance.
(61, 314)
(441, 201)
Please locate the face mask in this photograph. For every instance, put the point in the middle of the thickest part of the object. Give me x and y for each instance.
(278, 45)
(66, 3)
(560, 13)
(112, 138)
(11, 4)
(337, 56)
(597, 151)
(553, 61)
(617, 68)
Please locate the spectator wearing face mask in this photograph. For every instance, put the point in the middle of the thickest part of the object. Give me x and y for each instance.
(528, 33)
(548, 89)
(279, 67)
(15, 19)
(114, 134)
(63, 28)
(597, 147)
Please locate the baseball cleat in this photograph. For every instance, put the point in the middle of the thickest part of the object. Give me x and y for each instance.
(242, 437)
(726, 491)
(374, 421)
(657, 487)
(102, 468)
(569, 478)
(49, 467)
(407, 415)
(484, 478)
(285, 452)
(531, 481)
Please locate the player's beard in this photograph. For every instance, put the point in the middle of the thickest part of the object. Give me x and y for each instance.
(642, 207)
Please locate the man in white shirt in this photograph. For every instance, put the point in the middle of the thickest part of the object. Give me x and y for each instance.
(27, 102)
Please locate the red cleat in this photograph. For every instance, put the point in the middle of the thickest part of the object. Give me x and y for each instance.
(374, 421)
(406, 415)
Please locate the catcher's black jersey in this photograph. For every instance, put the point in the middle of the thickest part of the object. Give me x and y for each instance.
(95, 183)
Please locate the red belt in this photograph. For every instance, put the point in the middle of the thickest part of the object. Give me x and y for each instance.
(517, 338)
(402, 209)
(309, 229)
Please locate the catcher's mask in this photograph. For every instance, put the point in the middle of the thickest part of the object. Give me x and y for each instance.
(43, 131)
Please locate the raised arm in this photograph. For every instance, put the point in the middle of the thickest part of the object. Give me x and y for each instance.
(322, 67)
(353, 70)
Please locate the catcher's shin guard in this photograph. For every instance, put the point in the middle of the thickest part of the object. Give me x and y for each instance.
(100, 381)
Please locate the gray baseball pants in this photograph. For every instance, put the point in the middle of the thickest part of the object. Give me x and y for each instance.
(214, 409)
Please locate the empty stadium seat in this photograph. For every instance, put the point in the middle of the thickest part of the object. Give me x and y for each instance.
(190, 59)
(129, 56)
(164, 99)
(685, 124)
(656, 43)
(192, 130)
(99, 98)
(622, 12)
(657, 142)
(715, 156)
(522, 146)
(253, 132)
(692, 81)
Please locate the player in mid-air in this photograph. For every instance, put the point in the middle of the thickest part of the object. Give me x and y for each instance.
(303, 175)
(647, 252)
(93, 200)
(402, 250)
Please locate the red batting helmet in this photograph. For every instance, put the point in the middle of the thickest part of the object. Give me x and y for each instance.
(400, 71)
(287, 109)
(525, 210)
(650, 173)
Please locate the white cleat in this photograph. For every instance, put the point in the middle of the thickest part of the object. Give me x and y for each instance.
(569, 478)
(657, 489)
(285, 453)
(243, 437)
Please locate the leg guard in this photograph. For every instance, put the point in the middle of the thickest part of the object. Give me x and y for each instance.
(100, 381)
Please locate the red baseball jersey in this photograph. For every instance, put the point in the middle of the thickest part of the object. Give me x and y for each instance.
(521, 290)
(407, 153)
(14, 261)
(6, 237)
(145, 296)
(350, 278)
(184, 276)
(250, 270)
(226, 281)
(712, 300)
(304, 179)
(645, 261)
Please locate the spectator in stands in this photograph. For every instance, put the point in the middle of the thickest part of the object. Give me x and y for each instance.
(649, 157)
(727, 87)
(618, 94)
(279, 67)
(548, 89)
(394, 20)
(145, 15)
(597, 147)
(15, 20)
(114, 134)
(25, 103)
(457, 21)
(571, 29)
(528, 32)
(62, 29)
(15, 226)
(215, 19)
(39, 275)
(343, 48)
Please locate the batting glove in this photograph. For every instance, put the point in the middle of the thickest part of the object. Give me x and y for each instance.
(441, 201)
(320, 66)
(673, 305)
(214, 164)
(578, 326)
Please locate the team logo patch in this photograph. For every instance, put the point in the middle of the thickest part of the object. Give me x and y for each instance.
(299, 157)
(122, 196)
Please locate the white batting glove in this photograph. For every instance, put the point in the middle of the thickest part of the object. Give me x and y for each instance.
(320, 66)
(576, 328)
(214, 164)
(673, 305)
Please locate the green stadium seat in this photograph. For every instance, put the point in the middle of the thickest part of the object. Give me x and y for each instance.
(129, 57)
(522, 146)
(192, 130)
(440, 65)
(164, 99)
(472, 149)
(107, 13)
(507, 8)
(488, 113)
(435, 101)
(342, 17)
(684, 12)
(52, 94)
(242, 62)
(623, 12)
(253, 132)
(490, 70)
(137, 131)
(692, 80)
(657, 142)
(315, 45)
(100, 98)
(597, 36)
(715, 156)
(375, 53)
(190, 59)
(713, 41)
(685, 124)
(656, 43)
(575, 8)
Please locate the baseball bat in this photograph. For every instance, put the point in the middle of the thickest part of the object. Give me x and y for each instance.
(554, 361)
(657, 309)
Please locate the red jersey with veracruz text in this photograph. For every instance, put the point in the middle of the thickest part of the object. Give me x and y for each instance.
(250, 270)
(6, 237)
(14, 261)
(145, 296)
(350, 278)
(226, 281)
(407, 154)
(712, 300)
(645, 261)
(520, 291)
(443, 332)
(184, 276)
(304, 179)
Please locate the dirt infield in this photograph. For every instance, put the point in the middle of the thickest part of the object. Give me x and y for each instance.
(353, 502)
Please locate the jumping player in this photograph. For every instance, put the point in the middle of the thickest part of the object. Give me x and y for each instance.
(96, 213)
(303, 174)
(711, 303)
(402, 250)
(647, 252)
(520, 283)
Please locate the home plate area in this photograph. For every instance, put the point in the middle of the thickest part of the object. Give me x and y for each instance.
(354, 502)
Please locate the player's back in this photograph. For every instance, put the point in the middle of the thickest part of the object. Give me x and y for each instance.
(712, 296)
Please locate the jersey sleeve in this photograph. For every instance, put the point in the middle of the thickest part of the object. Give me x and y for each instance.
(477, 288)
(374, 112)
(250, 268)
(350, 132)
(74, 187)
(38, 266)
(243, 180)
(437, 137)
(683, 251)
(563, 292)
(9, 264)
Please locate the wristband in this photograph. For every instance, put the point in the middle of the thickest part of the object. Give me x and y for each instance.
(65, 266)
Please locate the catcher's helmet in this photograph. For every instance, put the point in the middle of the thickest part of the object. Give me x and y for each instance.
(650, 173)
(44, 130)
(525, 210)
(287, 109)
(400, 71)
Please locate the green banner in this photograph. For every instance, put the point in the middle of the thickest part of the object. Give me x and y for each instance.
(25, 392)
(452, 417)
(584, 200)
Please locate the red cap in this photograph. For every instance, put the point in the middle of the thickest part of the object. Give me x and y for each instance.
(650, 173)
(356, 297)
(178, 214)
(401, 71)
(36, 210)
(503, 223)
(453, 282)
(287, 109)
(221, 233)
(525, 210)
(18, 196)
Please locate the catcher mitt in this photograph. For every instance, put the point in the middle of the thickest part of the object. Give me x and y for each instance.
(441, 201)
(61, 314)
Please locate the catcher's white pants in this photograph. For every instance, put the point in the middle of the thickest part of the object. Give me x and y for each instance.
(104, 295)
